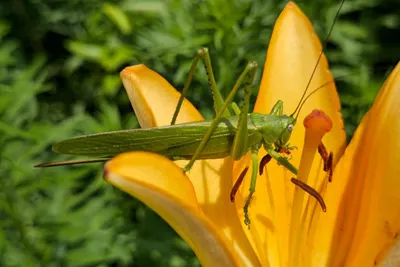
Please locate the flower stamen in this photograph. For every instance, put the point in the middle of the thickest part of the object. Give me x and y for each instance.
(237, 184)
(328, 160)
(264, 161)
(311, 191)
(317, 124)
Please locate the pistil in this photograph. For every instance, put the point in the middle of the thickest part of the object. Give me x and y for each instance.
(317, 124)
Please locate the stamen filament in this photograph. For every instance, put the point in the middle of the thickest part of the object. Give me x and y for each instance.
(264, 161)
(311, 191)
(237, 184)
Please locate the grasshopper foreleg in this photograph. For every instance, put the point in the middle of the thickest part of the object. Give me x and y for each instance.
(267, 158)
(282, 160)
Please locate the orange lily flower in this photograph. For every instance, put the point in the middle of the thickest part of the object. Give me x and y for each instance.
(363, 207)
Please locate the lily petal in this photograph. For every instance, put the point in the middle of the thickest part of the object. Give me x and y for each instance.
(365, 222)
(292, 54)
(148, 177)
(154, 101)
(143, 84)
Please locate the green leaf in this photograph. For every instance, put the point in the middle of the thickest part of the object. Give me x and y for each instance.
(118, 17)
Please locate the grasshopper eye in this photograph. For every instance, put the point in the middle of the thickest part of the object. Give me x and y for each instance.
(290, 127)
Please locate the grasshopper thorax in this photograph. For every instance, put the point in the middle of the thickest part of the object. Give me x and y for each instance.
(275, 129)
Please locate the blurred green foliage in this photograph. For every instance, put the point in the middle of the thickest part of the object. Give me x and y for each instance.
(59, 65)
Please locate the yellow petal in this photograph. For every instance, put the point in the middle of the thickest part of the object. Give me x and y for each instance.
(148, 177)
(292, 54)
(364, 215)
(154, 101)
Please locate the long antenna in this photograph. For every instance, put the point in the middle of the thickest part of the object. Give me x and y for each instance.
(319, 88)
(318, 60)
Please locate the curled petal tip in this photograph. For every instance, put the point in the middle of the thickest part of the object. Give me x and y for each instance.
(105, 172)
(126, 70)
(318, 120)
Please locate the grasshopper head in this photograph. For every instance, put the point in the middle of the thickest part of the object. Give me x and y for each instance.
(287, 126)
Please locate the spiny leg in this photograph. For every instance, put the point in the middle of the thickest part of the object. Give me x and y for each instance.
(252, 189)
(277, 109)
(328, 160)
(185, 87)
(204, 55)
(239, 147)
(240, 141)
(248, 71)
(267, 158)
(282, 160)
(286, 150)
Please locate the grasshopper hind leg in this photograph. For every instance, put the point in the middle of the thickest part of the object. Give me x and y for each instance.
(248, 72)
(202, 54)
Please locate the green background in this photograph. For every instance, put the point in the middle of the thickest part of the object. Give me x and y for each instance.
(59, 77)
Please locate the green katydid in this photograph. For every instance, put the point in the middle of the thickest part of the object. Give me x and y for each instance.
(233, 132)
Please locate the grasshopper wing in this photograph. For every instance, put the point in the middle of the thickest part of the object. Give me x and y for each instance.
(176, 141)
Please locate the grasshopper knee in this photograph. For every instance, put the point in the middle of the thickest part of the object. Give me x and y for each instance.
(187, 168)
(202, 51)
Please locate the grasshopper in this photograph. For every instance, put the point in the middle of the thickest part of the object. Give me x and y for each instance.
(233, 132)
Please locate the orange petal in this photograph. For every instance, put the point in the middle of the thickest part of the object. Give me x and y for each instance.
(148, 177)
(364, 215)
(154, 101)
(392, 257)
(292, 54)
